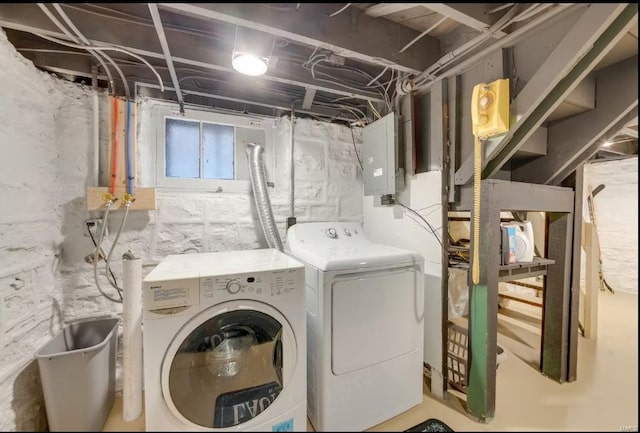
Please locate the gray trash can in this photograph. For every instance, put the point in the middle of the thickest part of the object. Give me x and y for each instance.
(77, 368)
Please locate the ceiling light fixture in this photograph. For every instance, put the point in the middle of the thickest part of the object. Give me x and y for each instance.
(607, 144)
(251, 52)
(249, 64)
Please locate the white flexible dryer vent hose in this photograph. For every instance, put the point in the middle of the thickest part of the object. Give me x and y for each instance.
(255, 155)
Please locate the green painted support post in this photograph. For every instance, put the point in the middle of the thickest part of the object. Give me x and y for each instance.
(483, 313)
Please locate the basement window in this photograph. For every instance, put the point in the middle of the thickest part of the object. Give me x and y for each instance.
(207, 151)
(199, 150)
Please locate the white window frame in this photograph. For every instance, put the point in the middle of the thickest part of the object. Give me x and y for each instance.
(214, 185)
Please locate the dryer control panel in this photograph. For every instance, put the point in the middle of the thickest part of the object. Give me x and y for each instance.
(331, 246)
(254, 285)
(328, 233)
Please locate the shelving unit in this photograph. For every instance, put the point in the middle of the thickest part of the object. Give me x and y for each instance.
(558, 358)
(518, 271)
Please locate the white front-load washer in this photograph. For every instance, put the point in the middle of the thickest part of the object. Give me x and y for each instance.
(225, 342)
(365, 317)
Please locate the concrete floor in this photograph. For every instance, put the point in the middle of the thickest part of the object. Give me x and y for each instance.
(605, 396)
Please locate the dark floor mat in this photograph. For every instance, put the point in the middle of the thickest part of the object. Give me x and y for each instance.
(431, 425)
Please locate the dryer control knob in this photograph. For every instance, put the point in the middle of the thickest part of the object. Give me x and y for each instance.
(332, 233)
(233, 287)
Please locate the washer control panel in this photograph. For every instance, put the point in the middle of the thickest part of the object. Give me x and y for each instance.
(233, 286)
(251, 285)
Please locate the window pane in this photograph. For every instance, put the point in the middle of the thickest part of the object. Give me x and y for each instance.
(182, 141)
(217, 152)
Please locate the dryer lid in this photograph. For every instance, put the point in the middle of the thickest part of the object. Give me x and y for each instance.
(332, 246)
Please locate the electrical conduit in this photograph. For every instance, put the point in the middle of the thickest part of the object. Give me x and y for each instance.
(504, 21)
(255, 155)
(510, 39)
(64, 30)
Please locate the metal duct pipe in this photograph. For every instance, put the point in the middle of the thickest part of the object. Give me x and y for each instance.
(255, 155)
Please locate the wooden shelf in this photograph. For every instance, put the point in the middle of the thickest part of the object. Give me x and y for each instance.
(518, 271)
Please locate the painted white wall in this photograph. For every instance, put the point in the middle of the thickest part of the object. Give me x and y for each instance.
(46, 134)
(399, 227)
(44, 138)
(617, 219)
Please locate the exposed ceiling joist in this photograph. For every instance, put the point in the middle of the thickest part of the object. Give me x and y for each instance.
(73, 66)
(351, 34)
(382, 9)
(630, 132)
(193, 50)
(267, 106)
(470, 14)
(569, 141)
(628, 148)
(309, 94)
(157, 22)
(598, 29)
(592, 150)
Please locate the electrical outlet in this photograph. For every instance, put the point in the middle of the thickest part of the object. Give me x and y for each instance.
(95, 224)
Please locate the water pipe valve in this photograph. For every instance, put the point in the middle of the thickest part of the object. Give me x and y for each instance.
(128, 198)
(107, 197)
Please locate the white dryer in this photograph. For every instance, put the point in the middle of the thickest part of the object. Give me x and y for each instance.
(364, 326)
(225, 342)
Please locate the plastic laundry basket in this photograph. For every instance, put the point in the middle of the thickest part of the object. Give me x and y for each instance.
(77, 368)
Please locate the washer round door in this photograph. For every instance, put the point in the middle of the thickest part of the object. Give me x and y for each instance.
(228, 364)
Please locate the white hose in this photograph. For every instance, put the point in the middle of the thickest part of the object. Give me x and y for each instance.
(340, 10)
(255, 155)
(97, 257)
(115, 241)
(86, 41)
(104, 48)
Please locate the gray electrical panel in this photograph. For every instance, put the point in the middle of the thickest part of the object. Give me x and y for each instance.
(382, 173)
